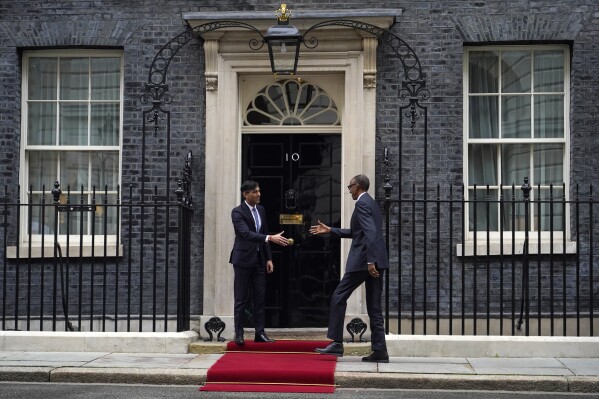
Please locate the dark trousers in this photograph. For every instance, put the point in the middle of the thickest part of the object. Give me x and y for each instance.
(374, 289)
(254, 277)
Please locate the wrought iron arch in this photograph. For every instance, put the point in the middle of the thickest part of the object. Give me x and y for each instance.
(413, 87)
(157, 90)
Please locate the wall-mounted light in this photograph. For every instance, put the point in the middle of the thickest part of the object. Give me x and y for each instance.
(283, 42)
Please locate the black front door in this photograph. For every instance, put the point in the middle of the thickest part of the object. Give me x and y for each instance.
(299, 176)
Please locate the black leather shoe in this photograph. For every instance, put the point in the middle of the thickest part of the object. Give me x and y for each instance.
(262, 338)
(334, 348)
(380, 356)
(239, 339)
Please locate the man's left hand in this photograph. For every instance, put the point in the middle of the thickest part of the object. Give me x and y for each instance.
(270, 267)
(373, 271)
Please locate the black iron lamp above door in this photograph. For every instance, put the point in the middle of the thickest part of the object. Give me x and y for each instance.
(283, 42)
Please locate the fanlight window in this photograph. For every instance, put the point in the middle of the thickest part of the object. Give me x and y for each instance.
(291, 103)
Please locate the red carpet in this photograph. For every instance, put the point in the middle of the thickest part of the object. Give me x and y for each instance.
(282, 366)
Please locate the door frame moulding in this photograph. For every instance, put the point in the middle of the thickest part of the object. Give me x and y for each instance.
(227, 60)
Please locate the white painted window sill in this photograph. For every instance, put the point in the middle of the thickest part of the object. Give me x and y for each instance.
(48, 251)
(518, 248)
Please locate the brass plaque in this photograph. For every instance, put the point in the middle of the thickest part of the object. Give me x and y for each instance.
(287, 218)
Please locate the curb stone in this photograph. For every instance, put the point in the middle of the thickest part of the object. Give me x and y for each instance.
(129, 376)
(25, 374)
(451, 382)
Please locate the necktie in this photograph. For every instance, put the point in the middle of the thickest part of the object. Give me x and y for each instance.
(256, 219)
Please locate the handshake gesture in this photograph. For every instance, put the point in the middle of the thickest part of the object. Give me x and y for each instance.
(280, 240)
(320, 228)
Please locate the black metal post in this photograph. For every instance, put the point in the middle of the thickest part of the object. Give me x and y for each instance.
(387, 187)
(525, 306)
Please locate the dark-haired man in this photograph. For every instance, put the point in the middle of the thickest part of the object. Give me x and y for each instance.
(252, 259)
(367, 256)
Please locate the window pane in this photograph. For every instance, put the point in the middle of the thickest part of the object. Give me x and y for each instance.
(74, 170)
(549, 71)
(105, 170)
(485, 204)
(276, 100)
(549, 163)
(73, 124)
(515, 163)
(105, 78)
(552, 208)
(317, 110)
(105, 122)
(41, 212)
(41, 124)
(482, 164)
(515, 67)
(42, 78)
(105, 215)
(483, 71)
(43, 169)
(73, 219)
(484, 117)
(292, 90)
(515, 117)
(74, 78)
(513, 209)
(549, 116)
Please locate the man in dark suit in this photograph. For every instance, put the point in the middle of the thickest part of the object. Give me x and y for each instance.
(251, 258)
(367, 256)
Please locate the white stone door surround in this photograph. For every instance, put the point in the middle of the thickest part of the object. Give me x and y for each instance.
(343, 57)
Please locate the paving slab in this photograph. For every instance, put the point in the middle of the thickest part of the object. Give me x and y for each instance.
(581, 366)
(355, 363)
(488, 362)
(398, 366)
(56, 356)
(519, 366)
(524, 371)
(8, 354)
(141, 360)
(204, 361)
(448, 360)
(39, 363)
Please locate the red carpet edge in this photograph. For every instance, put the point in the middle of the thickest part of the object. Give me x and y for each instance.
(282, 366)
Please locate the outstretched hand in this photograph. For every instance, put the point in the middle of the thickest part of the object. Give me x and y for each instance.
(279, 239)
(320, 228)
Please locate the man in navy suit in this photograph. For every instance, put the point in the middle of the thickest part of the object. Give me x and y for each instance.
(251, 258)
(367, 256)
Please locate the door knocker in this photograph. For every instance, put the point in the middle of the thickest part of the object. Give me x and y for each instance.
(291, 198)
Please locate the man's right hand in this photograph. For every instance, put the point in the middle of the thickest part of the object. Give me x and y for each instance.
(320, 228)
(279, 239)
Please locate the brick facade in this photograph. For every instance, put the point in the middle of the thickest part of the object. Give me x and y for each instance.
(436, 30)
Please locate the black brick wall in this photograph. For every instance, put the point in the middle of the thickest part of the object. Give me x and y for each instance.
(436, 30)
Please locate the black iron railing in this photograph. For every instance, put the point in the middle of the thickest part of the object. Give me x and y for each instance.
(537, 277)
(94, 261)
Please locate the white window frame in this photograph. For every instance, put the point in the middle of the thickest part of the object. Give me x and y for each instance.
(494, 236)
(74, 239)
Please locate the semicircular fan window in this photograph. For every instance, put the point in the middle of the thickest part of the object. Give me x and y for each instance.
(290, 103)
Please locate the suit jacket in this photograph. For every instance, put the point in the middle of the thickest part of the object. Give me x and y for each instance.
(248, 241)
(366, 231)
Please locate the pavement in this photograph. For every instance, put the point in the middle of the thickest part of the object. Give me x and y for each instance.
(539, 374)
